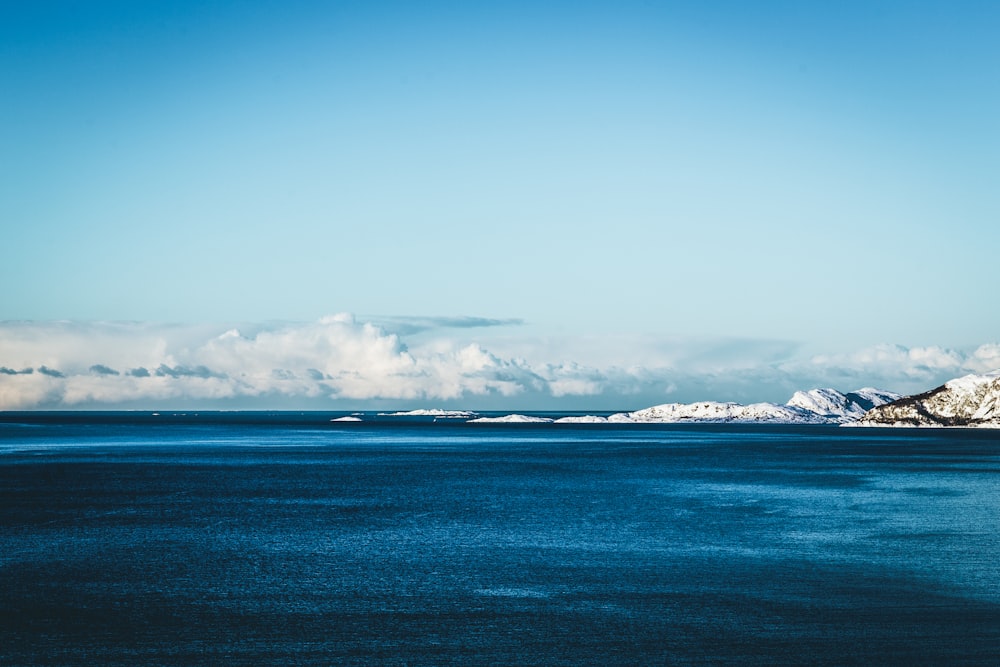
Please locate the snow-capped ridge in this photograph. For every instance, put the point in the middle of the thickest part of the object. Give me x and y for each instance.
(839, 407)
(870, 397)
(970, 400)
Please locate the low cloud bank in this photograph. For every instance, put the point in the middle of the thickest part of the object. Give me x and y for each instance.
(341, 363)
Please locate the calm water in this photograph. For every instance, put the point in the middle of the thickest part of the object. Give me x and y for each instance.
(285, 539)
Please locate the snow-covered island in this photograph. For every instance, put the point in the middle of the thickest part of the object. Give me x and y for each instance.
(512, 419)
(432, 412)
(582, 419)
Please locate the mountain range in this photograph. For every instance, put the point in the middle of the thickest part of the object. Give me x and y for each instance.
(816, 406)
(972, 400)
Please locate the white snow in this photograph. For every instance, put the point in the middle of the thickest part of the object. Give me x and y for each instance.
(839, 407)
(584, 419)
(816, 406)
(511, 419)
(433, 412)
(346, 419)
(621, 418)
(877, 396)
(714, 412)
(971, 383)
(827, 402)
(971, 400)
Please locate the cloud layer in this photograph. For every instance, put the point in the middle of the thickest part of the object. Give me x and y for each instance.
(341, 363)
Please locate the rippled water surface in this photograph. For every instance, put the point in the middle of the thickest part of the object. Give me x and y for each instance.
(290, 541)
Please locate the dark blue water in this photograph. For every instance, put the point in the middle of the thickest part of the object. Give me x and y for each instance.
(285, 539)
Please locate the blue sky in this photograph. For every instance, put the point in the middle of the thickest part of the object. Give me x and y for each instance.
(687, 190)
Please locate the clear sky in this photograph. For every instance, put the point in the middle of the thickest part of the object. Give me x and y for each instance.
(655, 186)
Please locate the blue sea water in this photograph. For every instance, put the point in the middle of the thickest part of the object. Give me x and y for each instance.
(284, 538)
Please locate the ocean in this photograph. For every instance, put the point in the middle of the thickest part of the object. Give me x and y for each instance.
(285, 538)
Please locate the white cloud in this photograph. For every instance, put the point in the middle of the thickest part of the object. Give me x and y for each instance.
(986, 358)
(334, 358)
(338, 361)
(903, 369)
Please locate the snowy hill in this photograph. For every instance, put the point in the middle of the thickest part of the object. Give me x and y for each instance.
(434, 412)
(816, 406)
(511, 419)
(710, 411)
(973, 400)
(839, 407)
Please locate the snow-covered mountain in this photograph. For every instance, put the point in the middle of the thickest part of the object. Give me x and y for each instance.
(973, 400)
(816, 406)
(839, 407)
